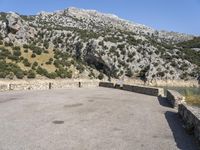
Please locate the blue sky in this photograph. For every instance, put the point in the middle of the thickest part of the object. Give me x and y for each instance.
(172, 15)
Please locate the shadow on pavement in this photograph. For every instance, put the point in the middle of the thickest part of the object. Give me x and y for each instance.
(183, 140)
(163, 102)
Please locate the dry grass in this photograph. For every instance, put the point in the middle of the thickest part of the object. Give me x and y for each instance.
(193, 100)
(40, 59)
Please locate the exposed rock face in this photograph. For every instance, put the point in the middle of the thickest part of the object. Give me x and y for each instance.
(115, 46)
(13, 23)
(17, 29)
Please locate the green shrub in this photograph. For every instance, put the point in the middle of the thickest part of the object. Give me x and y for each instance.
(16, 48)
(3, 74)
(100, 76)
(26, 51)
(25, 46)
(4, 53)
(52, 75)
(8, 44)
(80, 68)
(11, 75)
(33, 55)
(35, 64)
(129, 73)
(31, 74)
(17, 53)
(20, 74)
(64, 73)
(42, 71)
(26, 62)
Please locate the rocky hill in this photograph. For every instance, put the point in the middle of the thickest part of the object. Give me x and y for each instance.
(76, 43)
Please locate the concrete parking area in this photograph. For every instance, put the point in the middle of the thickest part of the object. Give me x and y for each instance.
(89, 119)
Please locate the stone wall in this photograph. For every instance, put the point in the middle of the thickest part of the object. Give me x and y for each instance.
(106, 84)
(155, 83)
(191, 117)
(189, 114)
(135, 88)
(175, 98)
(144, 90)
(45, 84)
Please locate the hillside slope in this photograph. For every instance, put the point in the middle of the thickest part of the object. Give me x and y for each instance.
(81, 43)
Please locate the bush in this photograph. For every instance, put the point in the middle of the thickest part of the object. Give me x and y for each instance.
(35, 64)
(17, 48)
(17, 53)
(26, 62)
(100, 76)
(33, 55)
(80, 68)
(36, 50)
(42, 71)
(4, 53)
(11, 75)
(8, 44)
(64, 73)
(3, 74)
(20, 74)
(31, 74)
(46, 44)
(25, 46)
(26, 51)
(1, 42)
(129, 73)
(13, 57)
(52, 75)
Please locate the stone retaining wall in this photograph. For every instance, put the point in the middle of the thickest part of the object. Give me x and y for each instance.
(144, 90)
(189, 114)
(135, 88)
(191, 117)
(106, 84)
(156, 83)
(45, 84)
(175, 98)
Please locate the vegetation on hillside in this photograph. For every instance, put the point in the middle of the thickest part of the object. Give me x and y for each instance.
(30, 61)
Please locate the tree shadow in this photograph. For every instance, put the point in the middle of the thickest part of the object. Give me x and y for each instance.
(183, 140)
(163, 102)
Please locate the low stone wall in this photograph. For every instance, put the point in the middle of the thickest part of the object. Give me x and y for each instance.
(175, 98)
(161, 83)
(106, 84)
(144, 90)
(191, 117)
(189, 114)
(135, 88)
(45, 84)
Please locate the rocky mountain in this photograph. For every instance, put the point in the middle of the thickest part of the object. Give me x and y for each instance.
(95, 44)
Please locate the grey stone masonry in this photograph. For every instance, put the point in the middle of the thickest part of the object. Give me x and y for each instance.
(175, 98)
(106, 84)
(191, 117)
(135, 88)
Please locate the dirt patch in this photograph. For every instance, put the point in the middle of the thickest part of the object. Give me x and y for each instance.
(58, 122)
(7, 100)
(73, 105)
(91, 100)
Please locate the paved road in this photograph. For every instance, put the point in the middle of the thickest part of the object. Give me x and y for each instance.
(89, 119)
